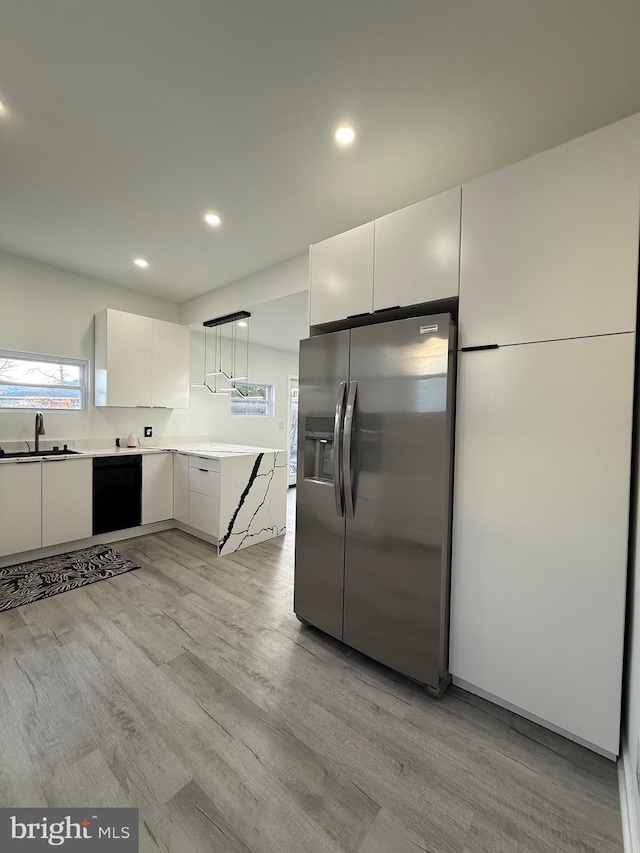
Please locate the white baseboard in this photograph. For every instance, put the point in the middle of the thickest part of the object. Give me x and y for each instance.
(628, 796)
(77, 544)
(502, 703)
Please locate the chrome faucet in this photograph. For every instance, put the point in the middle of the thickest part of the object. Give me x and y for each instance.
(39, 430)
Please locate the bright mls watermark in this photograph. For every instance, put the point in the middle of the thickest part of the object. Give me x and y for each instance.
(102, 830)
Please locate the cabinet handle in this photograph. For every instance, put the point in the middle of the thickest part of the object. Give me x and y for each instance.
(204, 470)
(477, 349)
(390, 308)
(353, 316)
(56, 459)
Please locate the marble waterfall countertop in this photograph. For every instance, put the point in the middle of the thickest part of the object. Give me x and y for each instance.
(216, 450)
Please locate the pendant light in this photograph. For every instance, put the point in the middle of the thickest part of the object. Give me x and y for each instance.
(226, 352)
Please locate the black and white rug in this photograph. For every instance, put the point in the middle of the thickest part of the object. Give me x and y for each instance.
(25, 583)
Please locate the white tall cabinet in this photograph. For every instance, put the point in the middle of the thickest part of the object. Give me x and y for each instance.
(549, 270)
(543, 452)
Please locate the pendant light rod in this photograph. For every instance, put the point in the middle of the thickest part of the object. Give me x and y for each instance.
(227, 318)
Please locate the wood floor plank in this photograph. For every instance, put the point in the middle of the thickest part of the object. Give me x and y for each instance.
(136, 756)
(189, 689)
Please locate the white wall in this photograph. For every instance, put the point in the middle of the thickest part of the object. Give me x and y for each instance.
(50, 310)
(211, 415)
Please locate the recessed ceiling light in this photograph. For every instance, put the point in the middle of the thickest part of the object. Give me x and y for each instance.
(212, 219)
(142, 263)
(345, 134)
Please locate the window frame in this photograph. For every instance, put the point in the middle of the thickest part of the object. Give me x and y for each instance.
(83, 387)
(270, 397)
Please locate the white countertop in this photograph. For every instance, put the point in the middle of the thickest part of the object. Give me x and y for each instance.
(211, 450)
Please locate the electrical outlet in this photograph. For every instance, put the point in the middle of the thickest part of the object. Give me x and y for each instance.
(281, 425)
(148, 432)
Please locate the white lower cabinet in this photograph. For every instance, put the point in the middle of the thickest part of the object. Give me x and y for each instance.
(204, 494)
(541, 509)
(20, 507)
(67, 484)
(204, 513)
(157, 487)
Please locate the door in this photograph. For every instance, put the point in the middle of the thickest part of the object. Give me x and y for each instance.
(293, 429)
(397, 543)
(543, 454)
(319, 558)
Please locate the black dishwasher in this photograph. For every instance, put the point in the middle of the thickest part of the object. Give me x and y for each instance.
(117, 492)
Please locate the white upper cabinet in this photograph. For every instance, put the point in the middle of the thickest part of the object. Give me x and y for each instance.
(140, 361)
(122, 359)
(417, 253)
(550, 245)
(342, 276)
(170, 365)
(67, 499)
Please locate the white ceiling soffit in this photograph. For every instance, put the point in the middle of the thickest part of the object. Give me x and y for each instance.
(279, 323)
(128, 119)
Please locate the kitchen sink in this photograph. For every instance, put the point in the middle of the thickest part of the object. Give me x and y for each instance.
(34, 454)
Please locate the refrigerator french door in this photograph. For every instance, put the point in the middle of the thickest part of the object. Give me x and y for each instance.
(373, 525)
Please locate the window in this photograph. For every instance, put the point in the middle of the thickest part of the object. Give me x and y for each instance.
(32, 381)
(252, 399)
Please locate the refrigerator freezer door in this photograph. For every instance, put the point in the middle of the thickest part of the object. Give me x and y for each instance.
(398, 542)
(320, 522)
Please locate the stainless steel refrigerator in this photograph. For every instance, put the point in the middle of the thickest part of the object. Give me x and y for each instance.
(374, 486)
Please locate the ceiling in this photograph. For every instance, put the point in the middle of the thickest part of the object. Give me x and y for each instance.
(128, 119)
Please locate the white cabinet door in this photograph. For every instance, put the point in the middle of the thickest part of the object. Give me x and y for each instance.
(171, 364)
(67, 489)
(157, 487)
(204, 513)
(123, 358)
(181, 487)
(417, 252)
(541, 508)
(342, 276)
(550, 245)
(20, 507)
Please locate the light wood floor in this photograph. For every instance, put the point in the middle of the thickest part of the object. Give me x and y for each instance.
(189, 689)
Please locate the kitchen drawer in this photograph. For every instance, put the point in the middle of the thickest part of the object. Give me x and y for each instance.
(204, 462)
(204, 513)
(205, 482)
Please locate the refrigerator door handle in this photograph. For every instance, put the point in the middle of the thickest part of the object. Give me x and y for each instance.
(336, 468)
(346, 449)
